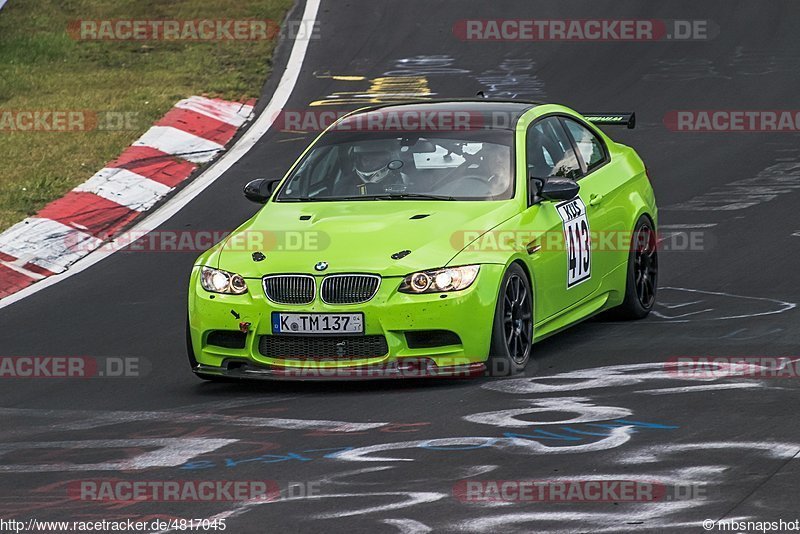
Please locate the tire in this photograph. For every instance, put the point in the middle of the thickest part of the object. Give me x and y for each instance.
(512, 329)
(641, 283)
(193, 362)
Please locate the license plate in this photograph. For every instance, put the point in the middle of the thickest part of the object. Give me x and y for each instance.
(317, 323)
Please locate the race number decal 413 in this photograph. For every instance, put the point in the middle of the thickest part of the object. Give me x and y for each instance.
(577, 240)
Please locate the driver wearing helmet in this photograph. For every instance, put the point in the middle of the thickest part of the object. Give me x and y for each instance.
(371, 162)
(374, 162)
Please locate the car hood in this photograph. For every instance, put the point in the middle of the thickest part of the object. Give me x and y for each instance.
(358, 236)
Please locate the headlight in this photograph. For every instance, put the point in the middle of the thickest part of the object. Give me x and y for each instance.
(440, 280)
(218, 281)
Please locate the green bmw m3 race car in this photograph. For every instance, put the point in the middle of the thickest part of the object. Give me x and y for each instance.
(428, 239)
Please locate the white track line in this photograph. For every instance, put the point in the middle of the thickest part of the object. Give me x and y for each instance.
(182, 198)
(686, 226)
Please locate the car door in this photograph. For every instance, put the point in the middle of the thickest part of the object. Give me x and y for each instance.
(561, 254)
(601, 188)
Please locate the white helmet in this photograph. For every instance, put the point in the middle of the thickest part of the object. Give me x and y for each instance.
(371, 160)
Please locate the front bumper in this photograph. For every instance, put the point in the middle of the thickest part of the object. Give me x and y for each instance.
(469, 314)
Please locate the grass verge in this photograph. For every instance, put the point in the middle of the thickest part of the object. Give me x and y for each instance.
(45, 68)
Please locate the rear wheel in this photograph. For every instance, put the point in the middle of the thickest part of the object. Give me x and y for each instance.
(512, 331)
(642, 279)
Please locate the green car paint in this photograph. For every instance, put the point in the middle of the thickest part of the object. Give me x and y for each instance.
(361, 236)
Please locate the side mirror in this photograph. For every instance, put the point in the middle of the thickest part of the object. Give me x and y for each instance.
(260, 190)
(559, 189)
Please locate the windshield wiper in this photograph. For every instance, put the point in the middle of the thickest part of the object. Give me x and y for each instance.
(302, 199)
(388, 196)
(401, 196)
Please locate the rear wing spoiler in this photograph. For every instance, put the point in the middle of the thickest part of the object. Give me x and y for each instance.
(612, 119)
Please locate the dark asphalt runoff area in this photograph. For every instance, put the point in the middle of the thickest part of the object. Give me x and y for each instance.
(598, 402)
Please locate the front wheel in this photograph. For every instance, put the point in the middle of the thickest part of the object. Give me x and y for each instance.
(512, 330)
(642, 277)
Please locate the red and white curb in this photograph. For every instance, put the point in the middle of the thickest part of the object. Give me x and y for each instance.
(195, 131)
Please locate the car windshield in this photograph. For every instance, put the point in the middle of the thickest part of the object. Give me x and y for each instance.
(466, 165)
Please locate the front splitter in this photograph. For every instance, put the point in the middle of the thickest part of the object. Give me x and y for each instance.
(413, 368)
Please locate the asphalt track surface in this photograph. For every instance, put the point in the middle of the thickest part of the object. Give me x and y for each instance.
(595, 403)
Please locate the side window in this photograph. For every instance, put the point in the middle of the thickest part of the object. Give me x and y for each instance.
(323, 168)
(590, 147)
(318, 166)
(550, 152)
